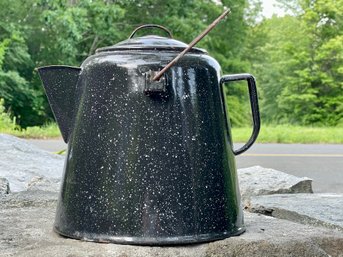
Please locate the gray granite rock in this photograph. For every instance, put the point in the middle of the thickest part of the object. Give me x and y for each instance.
(4, 186)
(313, 209)
(262, 181)
(26, 217)
(26, 221)
(27, 167)
(44, 183)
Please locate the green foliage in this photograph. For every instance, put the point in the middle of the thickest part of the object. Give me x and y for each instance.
(291, 134)
(3, 48)
(70, 31)
(300, 71)
(40, 32)
(237, 101)
(6, 123)
(49, 130)
(16, 72)
(297, 60)
(44, 32)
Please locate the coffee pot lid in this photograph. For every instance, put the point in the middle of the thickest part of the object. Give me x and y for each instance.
(150, 42)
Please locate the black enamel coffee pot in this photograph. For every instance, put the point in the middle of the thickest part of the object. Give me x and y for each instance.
(148, 162)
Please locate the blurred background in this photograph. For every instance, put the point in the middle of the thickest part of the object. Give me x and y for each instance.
(293, 47)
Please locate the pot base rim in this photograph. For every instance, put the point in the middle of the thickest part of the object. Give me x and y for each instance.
(151, 241)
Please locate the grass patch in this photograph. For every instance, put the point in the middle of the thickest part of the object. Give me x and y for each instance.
(269, 134)
(291, 134)
(50, 130)
(8, 126)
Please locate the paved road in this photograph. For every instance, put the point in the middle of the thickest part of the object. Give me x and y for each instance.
(322, 163)
(51, 145)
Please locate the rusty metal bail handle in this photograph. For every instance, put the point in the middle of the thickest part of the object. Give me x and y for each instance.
(151, 26)
(193, 43)
(253, 103)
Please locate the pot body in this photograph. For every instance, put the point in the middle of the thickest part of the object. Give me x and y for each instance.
(147, 168)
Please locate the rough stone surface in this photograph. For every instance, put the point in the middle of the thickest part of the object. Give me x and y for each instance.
(262, 181)
(27, 167)
(313, 209)
(26, 221)
(4, 186)
(34, 175)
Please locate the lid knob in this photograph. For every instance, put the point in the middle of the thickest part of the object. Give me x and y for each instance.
(151, 26)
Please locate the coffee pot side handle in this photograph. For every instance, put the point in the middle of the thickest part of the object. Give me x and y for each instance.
(253, 103)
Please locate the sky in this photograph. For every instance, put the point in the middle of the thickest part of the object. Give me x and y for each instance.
(269, 9)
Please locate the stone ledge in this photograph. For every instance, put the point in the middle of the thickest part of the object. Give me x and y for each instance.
(4, 186)
(324, 210)
(26, 230)
(27, 167)
(258, 180)
(26, 217)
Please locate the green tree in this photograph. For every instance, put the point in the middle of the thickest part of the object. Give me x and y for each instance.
(300, 71)
(16, 68)
(43, 32)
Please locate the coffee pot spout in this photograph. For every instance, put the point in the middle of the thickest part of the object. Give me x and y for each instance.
(60, 85)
